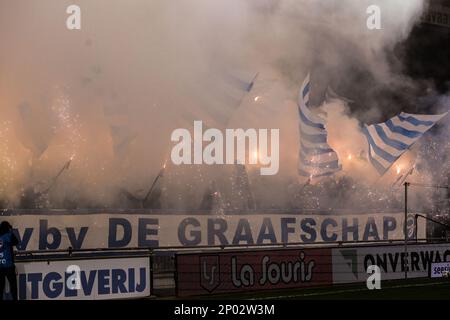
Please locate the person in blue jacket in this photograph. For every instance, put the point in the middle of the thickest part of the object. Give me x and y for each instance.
(7, 266)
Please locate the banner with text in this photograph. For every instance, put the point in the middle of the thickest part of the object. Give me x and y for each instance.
(89, 279)
(437, 15)
(350, 264)
(440, 270)
(86, 231)
(225, 272)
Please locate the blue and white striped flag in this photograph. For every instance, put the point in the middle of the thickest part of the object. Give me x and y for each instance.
(316, 158)
(388, 141)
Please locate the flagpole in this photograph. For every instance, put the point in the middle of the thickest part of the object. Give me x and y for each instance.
(247, 91)
(405, 230)
(65, 167)
(150, 191)
(249, 196)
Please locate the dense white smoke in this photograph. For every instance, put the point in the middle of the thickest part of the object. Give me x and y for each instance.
(109, 95)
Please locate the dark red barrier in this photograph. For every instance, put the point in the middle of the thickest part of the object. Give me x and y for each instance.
(225, 272)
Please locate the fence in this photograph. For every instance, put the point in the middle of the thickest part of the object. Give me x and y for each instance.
(200, 273)
(181, 271)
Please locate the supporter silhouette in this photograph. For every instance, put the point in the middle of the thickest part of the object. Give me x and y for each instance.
(7, 266)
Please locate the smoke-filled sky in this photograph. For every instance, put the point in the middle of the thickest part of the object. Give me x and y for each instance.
(109, 95)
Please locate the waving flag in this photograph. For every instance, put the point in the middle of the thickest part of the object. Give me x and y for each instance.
(388, 141)
(316, 158)
(223, 92)
(331, 95)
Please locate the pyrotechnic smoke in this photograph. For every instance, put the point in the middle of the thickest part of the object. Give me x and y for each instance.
(109, 95)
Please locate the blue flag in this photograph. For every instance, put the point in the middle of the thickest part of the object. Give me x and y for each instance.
(388, 141)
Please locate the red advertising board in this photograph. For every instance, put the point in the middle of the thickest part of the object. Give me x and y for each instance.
(241, 271)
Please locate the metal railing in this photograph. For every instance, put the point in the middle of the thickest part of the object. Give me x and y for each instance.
(290, 211)
(416, 218)
(71, 251)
